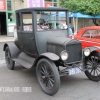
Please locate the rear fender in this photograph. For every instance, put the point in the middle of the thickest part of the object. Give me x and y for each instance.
(48, 55)
(13, 49)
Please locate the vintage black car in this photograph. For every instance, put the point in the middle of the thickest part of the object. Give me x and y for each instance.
(42, 44)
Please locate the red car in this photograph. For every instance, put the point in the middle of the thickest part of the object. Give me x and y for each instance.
(90, 38)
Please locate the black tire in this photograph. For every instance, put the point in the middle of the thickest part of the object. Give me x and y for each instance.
(48, 76)
(92, 64)
(10, 63)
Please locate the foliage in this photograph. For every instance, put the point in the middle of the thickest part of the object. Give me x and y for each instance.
(91, 7)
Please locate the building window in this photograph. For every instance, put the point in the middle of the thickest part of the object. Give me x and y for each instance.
(9, 5)
(55, 0)
(49, 0)
(10, 17)
(55, 4)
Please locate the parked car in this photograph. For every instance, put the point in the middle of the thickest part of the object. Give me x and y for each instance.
(44, 45)
(90, 37)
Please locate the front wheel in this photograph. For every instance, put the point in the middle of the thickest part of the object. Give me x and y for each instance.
(92, 64)
(10, 63)
(48, 76)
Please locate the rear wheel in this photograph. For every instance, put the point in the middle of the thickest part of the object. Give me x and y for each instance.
(93, 67)
(48, 76)
(10, 63)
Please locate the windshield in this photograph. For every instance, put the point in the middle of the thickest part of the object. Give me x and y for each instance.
(51, 20)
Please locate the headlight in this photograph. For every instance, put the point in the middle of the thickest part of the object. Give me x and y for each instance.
(64, 55)
(87, 52)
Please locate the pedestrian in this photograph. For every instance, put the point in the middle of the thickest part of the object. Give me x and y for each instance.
(70, 31)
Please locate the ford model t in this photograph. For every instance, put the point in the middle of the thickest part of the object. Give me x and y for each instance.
(42, 44)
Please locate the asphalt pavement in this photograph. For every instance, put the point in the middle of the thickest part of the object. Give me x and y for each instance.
(22, 84)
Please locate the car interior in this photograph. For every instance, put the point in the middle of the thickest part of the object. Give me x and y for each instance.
(92, 34)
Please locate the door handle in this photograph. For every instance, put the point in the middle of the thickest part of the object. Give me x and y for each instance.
(32, 38)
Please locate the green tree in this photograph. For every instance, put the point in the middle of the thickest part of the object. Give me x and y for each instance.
(91, 7)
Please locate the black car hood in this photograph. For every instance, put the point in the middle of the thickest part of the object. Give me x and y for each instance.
(61, 40)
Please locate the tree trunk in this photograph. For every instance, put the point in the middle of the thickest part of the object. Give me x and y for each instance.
(96, 21)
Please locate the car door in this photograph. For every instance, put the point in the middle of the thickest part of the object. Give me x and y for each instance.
(27, 34)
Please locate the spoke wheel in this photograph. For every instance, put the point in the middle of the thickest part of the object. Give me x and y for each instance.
(93, 67)
(10, 63)
(48, 76)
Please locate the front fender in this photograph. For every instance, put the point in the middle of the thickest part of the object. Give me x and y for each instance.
(47, 55)
(13, 49)
(93, 48)
(51, 56)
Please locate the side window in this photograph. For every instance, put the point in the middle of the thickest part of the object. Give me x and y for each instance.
(18, 21)
(96, 34)
(93, 33)
(87, 34)
(27, 21)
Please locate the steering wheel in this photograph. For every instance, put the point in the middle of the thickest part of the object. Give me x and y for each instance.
(41, 21)
(43, 24)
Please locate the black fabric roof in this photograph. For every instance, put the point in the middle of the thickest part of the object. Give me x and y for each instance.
(43, 9)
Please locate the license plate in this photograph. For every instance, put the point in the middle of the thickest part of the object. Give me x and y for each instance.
(74, 70)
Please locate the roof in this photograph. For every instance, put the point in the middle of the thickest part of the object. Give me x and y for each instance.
(43, 8)
(88, 28)
(92, 27)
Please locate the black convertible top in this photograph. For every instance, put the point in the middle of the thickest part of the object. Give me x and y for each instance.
(42, 8)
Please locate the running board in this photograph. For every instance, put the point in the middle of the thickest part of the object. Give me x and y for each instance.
(23, 63)
(24, 60)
